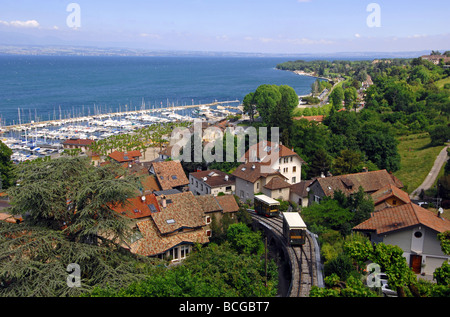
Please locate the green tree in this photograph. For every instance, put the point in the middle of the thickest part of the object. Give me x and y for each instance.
(328, 214)
(439, 135)
(320, 163)
(250, 106)
(66, 205)
(337, 96)
(276, 104)
(347, 163)
(70, 195)
(350, 97)
(6, 166)
(243, 240)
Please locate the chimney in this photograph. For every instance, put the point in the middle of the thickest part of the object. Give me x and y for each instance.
(143, 198)
(365, 169)
(253, 166)
(163, 201)
(227, 178)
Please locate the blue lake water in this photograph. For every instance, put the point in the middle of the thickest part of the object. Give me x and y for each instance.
(47, 88)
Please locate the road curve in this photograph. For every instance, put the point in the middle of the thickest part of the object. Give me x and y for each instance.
(431, 177)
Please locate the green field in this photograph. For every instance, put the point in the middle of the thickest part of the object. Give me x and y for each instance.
(442, 82)
(417, 160)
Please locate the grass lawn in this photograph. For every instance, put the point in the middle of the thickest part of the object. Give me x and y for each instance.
(417, 160)
(442, 82)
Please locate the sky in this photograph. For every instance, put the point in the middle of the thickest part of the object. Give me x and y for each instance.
(256, 26)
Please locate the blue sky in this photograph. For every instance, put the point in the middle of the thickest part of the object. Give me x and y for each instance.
(267, 26)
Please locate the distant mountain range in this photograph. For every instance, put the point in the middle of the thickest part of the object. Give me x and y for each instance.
(97, 51)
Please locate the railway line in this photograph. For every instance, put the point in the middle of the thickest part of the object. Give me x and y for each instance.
(302, 258)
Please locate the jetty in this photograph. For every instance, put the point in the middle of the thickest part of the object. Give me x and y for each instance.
(58, 122)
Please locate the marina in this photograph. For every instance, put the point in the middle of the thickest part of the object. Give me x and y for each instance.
(33, 140)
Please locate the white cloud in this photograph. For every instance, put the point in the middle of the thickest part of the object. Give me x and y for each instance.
(21, 24)
(357, 35)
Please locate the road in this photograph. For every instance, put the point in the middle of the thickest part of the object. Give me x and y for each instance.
(431, 177)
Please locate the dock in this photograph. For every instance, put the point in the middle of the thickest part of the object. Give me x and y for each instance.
(32, 124)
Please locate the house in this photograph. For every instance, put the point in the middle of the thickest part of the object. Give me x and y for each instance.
(252, 178)
(148, 183)
(166, 153)
(125, 157)
(170, 175)
(217, 207)
(299, 193)
(278, 157)
(389, 196)
(436, 59)
(83, 144)
(211, 182)
(166, 226)
(413, 229)
(349, 184)
(277, 188)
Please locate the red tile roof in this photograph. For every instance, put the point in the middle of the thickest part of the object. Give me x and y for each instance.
(277, 183)
(214, 178)
(137, 207)
(401, 217)
(122, 157)
(389, 191)
(169, 174)
(301, 188)
(153, 243)
(251, 172)
(181, 211)
(349, 184)
(265, 150)
(228, 203)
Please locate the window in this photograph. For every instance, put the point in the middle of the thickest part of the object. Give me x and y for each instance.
(208, 219)
(294, 169)
(294, 180)
(152, 208)
(208, 233)
(184, 249)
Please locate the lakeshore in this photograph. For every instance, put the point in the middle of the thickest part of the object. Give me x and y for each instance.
(34, 140)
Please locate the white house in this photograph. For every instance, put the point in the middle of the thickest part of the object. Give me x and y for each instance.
(278, 157)
(413, 229)
(254, 178)
(211, 182)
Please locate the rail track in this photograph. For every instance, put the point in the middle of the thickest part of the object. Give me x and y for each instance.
(303, 268)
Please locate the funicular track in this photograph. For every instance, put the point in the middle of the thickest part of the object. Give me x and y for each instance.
(303, 268)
